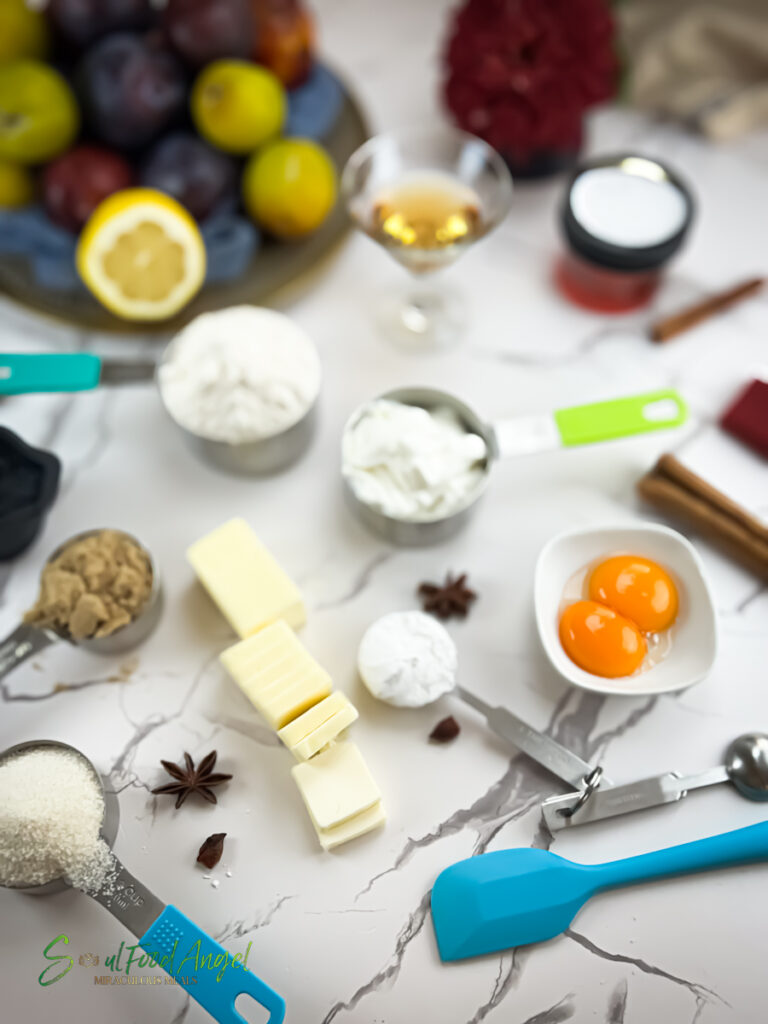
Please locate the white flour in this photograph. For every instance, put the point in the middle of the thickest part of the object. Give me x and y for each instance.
(240, 374)
(407, 659)
(412, 463)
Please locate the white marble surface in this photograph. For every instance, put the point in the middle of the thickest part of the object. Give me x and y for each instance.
(347, 937)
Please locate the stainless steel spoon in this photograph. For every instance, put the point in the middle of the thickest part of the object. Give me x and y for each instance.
(26, 640)
(163, 932)
(746, 766)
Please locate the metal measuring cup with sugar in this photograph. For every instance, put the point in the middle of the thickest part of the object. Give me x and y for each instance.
(27, 640)
(522, 435)
(160, 928)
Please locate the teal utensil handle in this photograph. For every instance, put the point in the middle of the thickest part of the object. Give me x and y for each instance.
(27, 373)
(174, 941)
(742, 846)
(620, 417)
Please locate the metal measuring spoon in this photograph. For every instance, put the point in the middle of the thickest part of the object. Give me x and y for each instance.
(26, 640)
(25, 373)
(746, 766)
(162, 930)
(404, 666)
(522, 435)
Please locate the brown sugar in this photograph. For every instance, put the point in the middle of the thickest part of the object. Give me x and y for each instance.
(95, 586)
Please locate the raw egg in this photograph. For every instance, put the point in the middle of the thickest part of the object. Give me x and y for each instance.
(601, 641)
(638, 588)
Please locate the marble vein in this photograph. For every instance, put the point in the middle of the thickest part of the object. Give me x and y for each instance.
(391, 970)
(696, 989)
(359, 584)
(262, 919)
(617, 1006)
(562, 1010)
(510, 969)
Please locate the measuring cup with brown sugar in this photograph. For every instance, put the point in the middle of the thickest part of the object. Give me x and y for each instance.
(136, 609)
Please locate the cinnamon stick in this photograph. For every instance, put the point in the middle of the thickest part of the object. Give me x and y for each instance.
(673, 325)
(679, 491)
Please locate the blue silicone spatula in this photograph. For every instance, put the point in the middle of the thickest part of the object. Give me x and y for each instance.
(513, 897)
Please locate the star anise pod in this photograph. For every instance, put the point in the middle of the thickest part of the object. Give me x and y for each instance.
(452, 598)
(193, 780)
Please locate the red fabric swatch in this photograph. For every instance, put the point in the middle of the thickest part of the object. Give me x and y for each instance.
(747, 417)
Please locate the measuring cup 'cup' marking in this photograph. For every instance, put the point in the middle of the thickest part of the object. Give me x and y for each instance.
(163, 931)
(27, 640)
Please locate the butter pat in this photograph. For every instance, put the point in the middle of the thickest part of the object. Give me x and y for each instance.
(317, 727)
(336, 785)
(244, 579)
(275, 672)
(364, 822)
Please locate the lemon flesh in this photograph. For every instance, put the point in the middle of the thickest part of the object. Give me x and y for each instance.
(142, 255)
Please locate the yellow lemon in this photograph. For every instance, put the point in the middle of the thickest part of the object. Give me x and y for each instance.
(38, 113)
(23, 32)
(289, 187)
(16, 185)
(141, 254)
(237, 106)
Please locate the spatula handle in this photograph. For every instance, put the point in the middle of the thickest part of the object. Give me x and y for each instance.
(742, 846)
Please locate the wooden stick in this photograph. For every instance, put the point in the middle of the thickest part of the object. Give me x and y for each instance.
(673, 325)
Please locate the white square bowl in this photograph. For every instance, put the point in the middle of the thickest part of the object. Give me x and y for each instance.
(695, 642)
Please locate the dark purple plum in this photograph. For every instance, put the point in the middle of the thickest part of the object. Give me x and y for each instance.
(82, 21)
(131, 91)
(75, 183)
(200, 177)
(205, 30)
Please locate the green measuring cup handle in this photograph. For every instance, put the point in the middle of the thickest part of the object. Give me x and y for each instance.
(620, 417)
(29, 373)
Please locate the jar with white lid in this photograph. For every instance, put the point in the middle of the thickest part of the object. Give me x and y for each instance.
(623, 218)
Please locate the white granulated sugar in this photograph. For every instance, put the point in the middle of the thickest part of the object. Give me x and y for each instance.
(240, 374)
(51, 809)
(412, 463)
(407, 659)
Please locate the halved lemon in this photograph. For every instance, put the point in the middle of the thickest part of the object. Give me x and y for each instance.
(141, 254)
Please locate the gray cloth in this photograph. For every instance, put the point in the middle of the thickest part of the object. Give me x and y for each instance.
(701, 61)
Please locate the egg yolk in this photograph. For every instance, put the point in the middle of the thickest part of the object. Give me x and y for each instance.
(638, 588)
(601, 641)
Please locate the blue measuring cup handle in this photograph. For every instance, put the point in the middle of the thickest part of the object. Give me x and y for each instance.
(172, 929)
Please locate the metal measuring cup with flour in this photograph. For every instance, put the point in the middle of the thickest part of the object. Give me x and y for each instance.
(57, 829)
(241, 384)
(416, 461)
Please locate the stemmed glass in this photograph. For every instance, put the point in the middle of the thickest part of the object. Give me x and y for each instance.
(425, 196)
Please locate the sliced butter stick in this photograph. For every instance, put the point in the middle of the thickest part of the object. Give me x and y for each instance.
(276, 673)
(317, 727)
(249, 587)
(364, 822)
(336, 785)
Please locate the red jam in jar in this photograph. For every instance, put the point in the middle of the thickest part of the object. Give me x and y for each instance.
(623, 219)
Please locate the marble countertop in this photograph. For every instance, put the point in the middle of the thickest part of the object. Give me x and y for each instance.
(347, 937)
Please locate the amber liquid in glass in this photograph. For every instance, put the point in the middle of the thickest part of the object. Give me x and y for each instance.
(426, 219)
